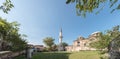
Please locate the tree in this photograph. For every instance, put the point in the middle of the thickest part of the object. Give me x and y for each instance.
(54, 47)
(102, 43)
(6, 6)
(106, 38)
(88, 6)
(64, 44)
(108, 43)
(49, 41)
(10, 36)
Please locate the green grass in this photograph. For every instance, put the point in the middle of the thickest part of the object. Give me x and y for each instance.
(51, 55)
(85, 55)
(66, 55)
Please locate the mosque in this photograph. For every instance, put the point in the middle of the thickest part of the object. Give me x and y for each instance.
(80, 43)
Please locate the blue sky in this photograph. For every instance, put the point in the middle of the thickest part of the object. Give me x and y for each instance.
(44, 18)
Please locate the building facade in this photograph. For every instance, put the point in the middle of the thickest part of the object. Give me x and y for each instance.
(83, 43)
(39, 48)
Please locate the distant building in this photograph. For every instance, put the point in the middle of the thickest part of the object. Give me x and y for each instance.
(83, 43)
(30, 45)
(39, 47)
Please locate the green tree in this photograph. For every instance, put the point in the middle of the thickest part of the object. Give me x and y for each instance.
(88, 6)
(10, 36)
(105, 41)
(64, 44)
(6, 6)
(102, 43)
(106, 38)
(54, 47)
(49, 42)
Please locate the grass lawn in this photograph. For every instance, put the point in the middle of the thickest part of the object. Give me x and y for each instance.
(65, 55)
(85, 55)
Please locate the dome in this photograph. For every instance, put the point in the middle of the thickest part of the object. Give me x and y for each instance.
(80, 37)
(95, 32)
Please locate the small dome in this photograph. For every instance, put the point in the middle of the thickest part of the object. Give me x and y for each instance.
(95, 32)
(80, 37)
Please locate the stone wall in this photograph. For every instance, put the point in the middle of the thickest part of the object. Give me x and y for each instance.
(9, 54)
(114, 48)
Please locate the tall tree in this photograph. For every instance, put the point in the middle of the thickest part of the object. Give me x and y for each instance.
(49, 41)
(88, 6)
(10, 36)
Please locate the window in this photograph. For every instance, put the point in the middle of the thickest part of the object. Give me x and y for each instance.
(78, 43)
(85, 44)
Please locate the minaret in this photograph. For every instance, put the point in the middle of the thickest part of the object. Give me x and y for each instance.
(60, 36)
(60, 48)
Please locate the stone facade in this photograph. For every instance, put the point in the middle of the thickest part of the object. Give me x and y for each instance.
(83, 43)
(114, 48)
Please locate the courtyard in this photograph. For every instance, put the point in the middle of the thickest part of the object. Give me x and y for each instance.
(65, 55)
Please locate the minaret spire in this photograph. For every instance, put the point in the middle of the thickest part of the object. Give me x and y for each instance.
(60, 40)
(61, 29)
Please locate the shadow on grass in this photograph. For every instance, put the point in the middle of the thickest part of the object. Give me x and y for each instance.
(19, 57)
(51, 55)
